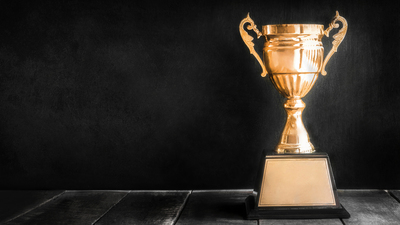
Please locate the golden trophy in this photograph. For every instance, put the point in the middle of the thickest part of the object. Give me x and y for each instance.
(294, 181)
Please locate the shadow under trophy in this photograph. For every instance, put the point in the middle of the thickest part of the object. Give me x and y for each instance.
(294, 181)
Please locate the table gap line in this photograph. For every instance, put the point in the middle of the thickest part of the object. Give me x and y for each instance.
(182, 208)
(101, 216)
(393, 196)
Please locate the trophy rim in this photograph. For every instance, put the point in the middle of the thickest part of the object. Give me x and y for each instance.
(293, 29)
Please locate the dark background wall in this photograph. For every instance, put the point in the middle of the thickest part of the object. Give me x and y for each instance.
(166, 95)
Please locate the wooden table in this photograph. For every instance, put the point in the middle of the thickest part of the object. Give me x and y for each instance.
(175, 207)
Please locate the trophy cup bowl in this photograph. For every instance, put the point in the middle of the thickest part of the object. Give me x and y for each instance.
(293, 57)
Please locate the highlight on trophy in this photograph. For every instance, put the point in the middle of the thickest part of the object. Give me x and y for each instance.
(293, 58)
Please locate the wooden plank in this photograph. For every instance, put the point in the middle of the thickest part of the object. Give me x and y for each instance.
(150, 207)
(73, 207)
(216, 207)
(15, 203)
(370, 207)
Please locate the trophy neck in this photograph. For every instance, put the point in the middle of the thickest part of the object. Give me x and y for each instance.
(293, 29)
(294, 139)
(293, 86)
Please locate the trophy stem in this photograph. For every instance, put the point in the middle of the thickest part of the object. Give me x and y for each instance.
(294, 139)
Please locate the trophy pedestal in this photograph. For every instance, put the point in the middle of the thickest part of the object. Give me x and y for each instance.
(295, 186)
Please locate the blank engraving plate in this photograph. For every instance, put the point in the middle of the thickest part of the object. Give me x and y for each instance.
(296, 182)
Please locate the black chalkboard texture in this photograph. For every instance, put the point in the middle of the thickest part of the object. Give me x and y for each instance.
(147, 95)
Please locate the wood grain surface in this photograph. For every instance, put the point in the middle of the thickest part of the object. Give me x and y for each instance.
(176, 207)
(370, 207)
(147, 207)
(16, 203)
(73, 207)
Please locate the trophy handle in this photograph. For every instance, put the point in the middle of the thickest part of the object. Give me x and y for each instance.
(338, 37)
(248, 40)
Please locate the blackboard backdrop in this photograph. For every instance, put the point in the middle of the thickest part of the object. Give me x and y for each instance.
(151, 95)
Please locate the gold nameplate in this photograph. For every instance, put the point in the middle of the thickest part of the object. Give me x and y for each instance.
(296, 182)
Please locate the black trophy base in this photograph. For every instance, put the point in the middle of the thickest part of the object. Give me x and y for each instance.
(253, 212)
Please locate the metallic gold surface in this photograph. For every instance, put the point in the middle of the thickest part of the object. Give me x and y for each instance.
(296, 182)
(248, 40)
(293, 57)
(338, 37)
